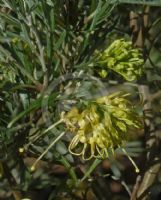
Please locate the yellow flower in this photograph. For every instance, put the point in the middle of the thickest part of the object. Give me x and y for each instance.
(122, 58)
(101, 126)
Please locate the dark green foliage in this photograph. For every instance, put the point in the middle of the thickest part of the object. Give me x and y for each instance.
(47, 53)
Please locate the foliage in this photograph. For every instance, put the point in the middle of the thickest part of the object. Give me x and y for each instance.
(55, 56)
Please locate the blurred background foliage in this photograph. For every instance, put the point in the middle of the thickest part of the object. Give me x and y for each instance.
(46, 51)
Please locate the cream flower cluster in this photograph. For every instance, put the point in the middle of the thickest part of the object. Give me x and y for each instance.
(122, 58)
(101, 126)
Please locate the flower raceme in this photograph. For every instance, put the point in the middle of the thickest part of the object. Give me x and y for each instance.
(122, 58)
(101, 126)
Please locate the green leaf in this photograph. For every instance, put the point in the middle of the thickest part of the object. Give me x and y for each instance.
(95, 163)
(61, 148)
(67, 165)
(9, 19)
(142, 2)
(60, 40)
(34, 105)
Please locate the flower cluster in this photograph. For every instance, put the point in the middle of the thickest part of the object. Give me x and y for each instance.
(102, 126)
(122, 58)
